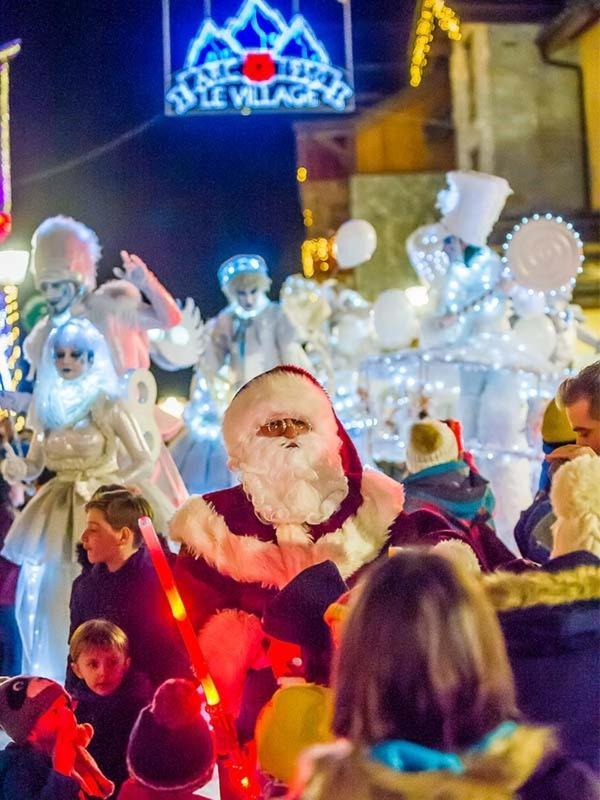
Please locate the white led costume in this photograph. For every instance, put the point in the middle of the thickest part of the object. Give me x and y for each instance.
(80, 427)
(250, 336)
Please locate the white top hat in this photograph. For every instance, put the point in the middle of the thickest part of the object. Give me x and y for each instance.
(472, 204)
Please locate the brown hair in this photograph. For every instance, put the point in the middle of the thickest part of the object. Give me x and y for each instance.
(98, 633)
(586, 385)
(122, 506)
(422, 658)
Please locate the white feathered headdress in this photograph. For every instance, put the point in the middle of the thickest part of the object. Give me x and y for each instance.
(64, 249)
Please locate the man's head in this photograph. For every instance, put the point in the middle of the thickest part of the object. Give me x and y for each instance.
(99, 655)
(64, 256)
(293, 457)
(112, 532)
(580, 398)
(245, 282)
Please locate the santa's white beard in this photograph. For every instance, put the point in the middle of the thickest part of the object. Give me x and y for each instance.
(286, 484)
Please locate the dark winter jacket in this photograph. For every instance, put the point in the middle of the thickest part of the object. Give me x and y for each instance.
(112, 718)
(551, 622)
(133, 599)
(533, 533)
(27, 774)
(521, 766)
(453, 487)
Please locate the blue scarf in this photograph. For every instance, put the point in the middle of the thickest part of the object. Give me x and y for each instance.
(406, 756)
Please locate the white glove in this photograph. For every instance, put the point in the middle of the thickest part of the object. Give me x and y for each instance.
(133, 270)
(14, 469)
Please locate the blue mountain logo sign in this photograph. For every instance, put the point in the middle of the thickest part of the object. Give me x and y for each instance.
(258, 62)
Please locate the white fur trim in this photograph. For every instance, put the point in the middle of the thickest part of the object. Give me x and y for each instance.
(246, 559)
(460, 554)
(243, 635)
(276, 394)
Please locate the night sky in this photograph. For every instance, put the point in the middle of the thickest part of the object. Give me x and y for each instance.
(186, 193)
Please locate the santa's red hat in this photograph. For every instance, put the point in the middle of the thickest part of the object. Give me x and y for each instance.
(285, 392)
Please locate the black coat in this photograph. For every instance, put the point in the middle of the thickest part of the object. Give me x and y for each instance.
(133, 599)
(551, 622)
(27, 774)
(113, 718)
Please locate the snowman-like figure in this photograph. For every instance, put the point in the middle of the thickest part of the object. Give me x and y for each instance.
(468, 320)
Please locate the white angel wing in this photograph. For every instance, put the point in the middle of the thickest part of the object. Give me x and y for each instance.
(139, 398)
(182, 346)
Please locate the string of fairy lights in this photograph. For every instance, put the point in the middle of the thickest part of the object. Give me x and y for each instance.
(12, 374)
(431, 13)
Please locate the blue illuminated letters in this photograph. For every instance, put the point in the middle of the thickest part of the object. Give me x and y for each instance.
(259, 62)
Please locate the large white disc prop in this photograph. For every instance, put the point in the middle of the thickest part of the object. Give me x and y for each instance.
(537, 334)
(355, 243)
(543, 254)
(395, 320)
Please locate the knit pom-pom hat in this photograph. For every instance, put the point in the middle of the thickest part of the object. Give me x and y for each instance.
(556, 428)
(171, 746)
(23, 700)
(430, 443)
(575, 501)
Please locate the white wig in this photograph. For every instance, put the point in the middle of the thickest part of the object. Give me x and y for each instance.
(59, 402)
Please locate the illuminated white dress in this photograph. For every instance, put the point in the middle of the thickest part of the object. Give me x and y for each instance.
(83, 452)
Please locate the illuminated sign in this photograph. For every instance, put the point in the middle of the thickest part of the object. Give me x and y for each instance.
(258, 59)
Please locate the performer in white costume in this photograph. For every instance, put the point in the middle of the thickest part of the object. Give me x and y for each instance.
(252, 334)
(64, 261)
(79, 427)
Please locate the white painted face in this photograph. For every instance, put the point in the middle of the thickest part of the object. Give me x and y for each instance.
(71, 362)
(248, 298)
(59, 295)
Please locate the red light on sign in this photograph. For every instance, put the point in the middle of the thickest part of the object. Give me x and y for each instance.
(259, 67)
(5, 225)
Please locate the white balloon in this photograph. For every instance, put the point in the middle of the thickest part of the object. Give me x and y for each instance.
(537, 334)
(395, 320)
(355, 243)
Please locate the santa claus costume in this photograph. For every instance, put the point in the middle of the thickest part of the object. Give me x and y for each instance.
(304, 498)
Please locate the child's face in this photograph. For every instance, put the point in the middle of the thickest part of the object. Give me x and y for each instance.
(102, 669)
(58, 719)
(100, 540)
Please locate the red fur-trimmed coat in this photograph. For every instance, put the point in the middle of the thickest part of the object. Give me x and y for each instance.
(232, 562)
(230, 559)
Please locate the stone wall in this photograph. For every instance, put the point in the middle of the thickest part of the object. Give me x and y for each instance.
(395, 205)
(518, 117)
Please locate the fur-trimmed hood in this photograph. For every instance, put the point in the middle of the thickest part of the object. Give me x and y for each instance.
(273, 556)
(340, 771)
(549, 609)
(545, 587)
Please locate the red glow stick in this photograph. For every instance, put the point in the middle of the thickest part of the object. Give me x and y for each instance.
(241, 776)
(167, 581)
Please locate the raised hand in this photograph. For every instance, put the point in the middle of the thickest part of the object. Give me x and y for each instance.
(133, 270)
(14, 468)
